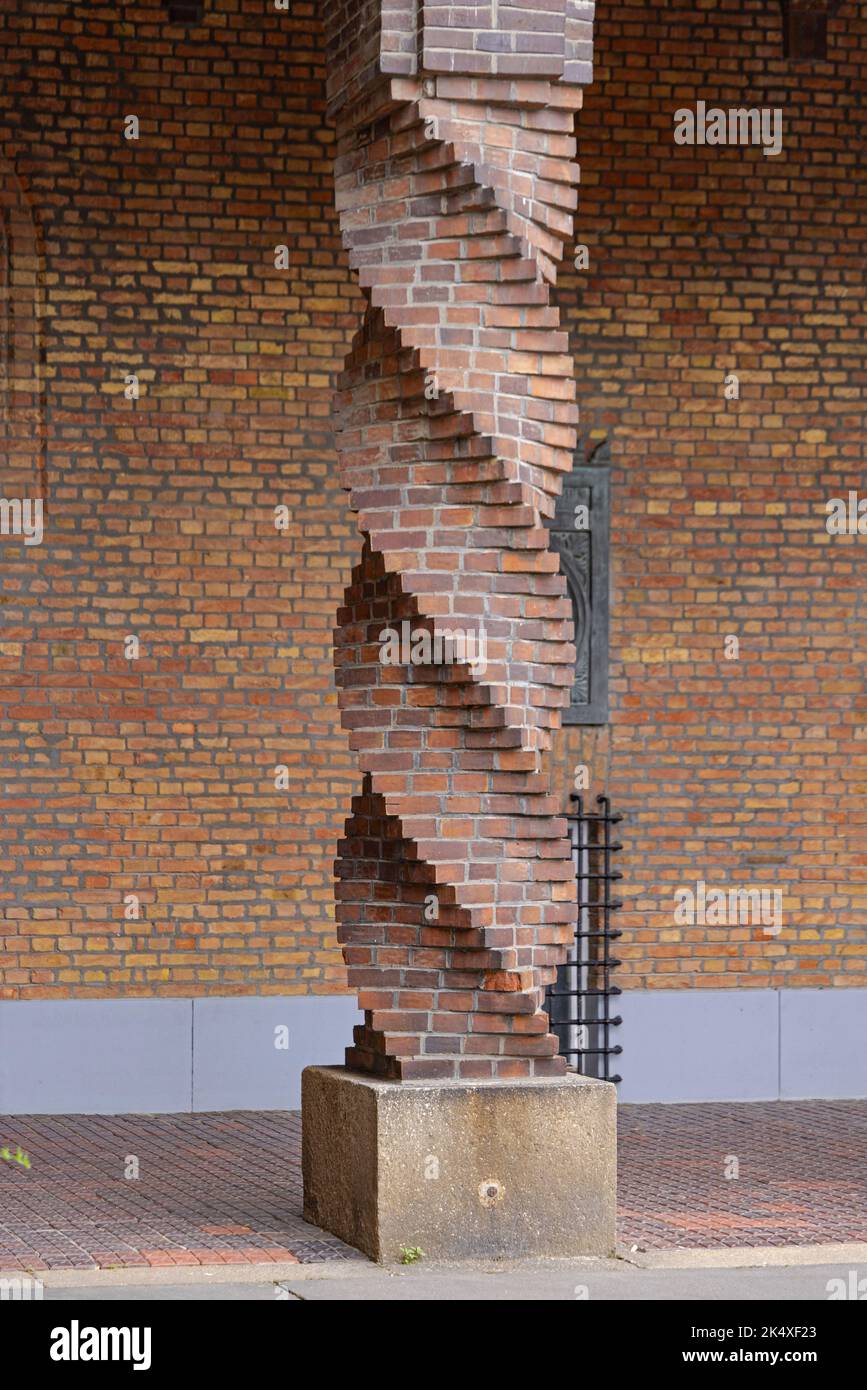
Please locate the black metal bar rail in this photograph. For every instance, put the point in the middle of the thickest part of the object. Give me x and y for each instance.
(579, 1002)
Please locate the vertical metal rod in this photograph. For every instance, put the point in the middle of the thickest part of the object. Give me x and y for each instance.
(579, 1001)
(580, 937)
(606, 940)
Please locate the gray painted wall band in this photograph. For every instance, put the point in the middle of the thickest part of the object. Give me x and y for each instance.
(107, 1056)
(117, 1056)
(748, 1044)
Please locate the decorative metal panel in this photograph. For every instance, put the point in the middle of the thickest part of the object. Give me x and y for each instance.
(580, 533)
(186, 11)
(805, 28)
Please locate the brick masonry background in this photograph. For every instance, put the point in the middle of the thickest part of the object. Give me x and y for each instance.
(706, 261)
(156, 777)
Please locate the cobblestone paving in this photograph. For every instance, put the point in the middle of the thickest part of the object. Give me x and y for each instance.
(211, 1189)
(226, 1188)
(801, 1174)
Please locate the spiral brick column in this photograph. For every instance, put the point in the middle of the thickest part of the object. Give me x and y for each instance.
(456, 419)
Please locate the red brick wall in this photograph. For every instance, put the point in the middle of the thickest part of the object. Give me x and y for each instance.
(705, 262)
(157, 776)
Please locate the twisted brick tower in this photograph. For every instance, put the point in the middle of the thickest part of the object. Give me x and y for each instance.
(456, 423)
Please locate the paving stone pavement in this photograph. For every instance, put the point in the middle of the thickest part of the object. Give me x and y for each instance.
(211, 1189)
(801, 1174)
(226, 1188)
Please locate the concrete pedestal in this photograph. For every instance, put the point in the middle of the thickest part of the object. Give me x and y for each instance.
(462, 1169)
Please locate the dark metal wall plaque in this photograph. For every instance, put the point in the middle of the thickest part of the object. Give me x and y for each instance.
(580, 533)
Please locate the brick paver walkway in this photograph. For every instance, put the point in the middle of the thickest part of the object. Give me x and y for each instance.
(227, 1188)
(801, 1174)
(211, 1189)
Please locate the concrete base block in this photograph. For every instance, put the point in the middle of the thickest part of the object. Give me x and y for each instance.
(462, 1169)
